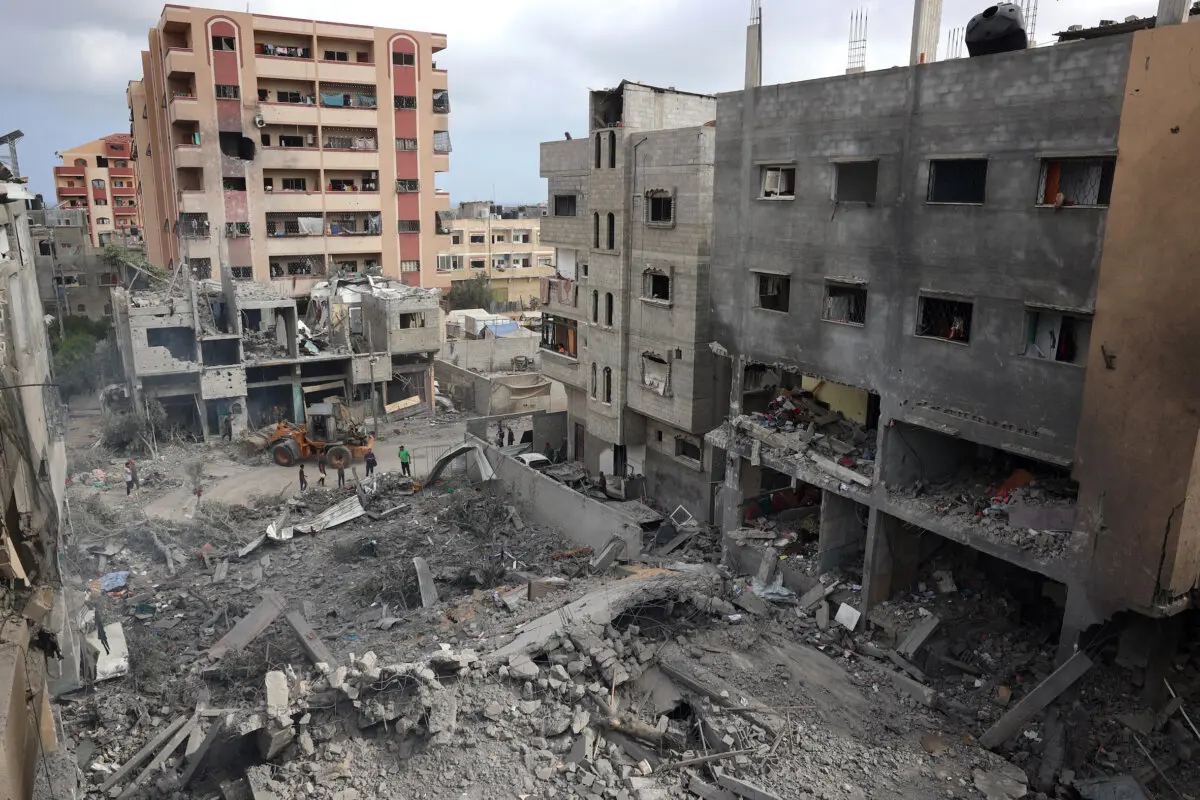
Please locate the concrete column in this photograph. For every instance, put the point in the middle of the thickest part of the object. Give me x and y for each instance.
(892, 560)
(1078, 616)
(1167, 633)
(731, 490)
(1172, 12)
(843, 532)
(754, 53)
(927, 28)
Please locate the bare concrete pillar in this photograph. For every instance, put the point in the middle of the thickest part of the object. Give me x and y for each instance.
(843, 532)
(731, 489)
(1172, 12)
(892, 560)
(1078, 616)
(754, 46)
(927, 28)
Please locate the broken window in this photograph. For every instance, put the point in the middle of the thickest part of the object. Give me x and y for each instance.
(686, 448)
(288, 141)
(564, 205)
(81, 308)
(227, 91)
(201, 267)
(845, 303)
(611, 239)
(441, 101)
(224, 43)
(407, 186)
(108, 279)
(441, 142)
(656, 285)
(44, 248)
(479, 263)
(406, 144)
(1055, 336)
(660, 208)
(944, 318)
(774, 291)
(236, 230)
(656, 374)
(1076, 181)
(778, 182)
(285, 96)
(410, 266)
(235, 145)
(856, 181)
(404, 59)
(193, 226)
(478, 238)
(403, 101)
(608, 384)
(97, 183)
(408, 226)
(958, 180)
(231, 184)
(71, 280)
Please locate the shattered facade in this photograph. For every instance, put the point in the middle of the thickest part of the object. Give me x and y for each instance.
(72, 276)
(208, 350)
(291, 150)
(625, 325)
(32, 486)
(934, 323)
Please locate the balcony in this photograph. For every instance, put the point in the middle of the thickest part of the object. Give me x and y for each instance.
(415, 340)
(289, 113)
(277, 201)
(352, 201)
(301, 266)
(184, 108)
(120, 172)
(351, 160)
(284, 61)
(441, 162)
(348, 71)
(125, 209)
(188, 155)
(292, 245)
(71, 172)
(562, 368)
(124, 191)
(356, 242)
(71, 191)
(193, 203)
(179, 59)
(291, 158)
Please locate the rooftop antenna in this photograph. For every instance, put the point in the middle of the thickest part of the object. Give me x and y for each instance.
(857, 60)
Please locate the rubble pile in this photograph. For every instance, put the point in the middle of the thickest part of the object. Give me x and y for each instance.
(1034, 513)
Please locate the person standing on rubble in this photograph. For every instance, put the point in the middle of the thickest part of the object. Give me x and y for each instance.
(227, 427)
(133, 469)
(371, 462)
(510, 436)
(405, 458)
(303, 479)
(128, 478)
(341, 477)
(321, 467)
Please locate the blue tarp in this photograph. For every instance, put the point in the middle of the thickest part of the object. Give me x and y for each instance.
(333, 99)
(502, 328)
(113, 581)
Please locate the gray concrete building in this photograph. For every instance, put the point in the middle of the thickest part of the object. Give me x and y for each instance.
(626, 322)
(72, 277)
(923, 278)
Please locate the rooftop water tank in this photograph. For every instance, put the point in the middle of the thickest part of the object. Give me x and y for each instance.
(998, 29)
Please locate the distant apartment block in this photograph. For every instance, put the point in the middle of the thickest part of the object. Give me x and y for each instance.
(289, 149)
(501, 243)
(72, 276)
(99, 179)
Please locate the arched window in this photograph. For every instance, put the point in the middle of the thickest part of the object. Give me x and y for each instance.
(596, 230)
(612, 231)
(612, 150)
(608, 309)
(595, 306)
(593, 380)
(81, 162)
(598, 151)
(607, 385)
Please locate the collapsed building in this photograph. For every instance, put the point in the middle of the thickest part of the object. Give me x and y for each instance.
(944, 320)
(206, 350)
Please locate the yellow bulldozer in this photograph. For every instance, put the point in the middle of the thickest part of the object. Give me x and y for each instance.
(329, 428)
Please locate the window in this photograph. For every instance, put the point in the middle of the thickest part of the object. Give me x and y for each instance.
(407, 186)
(337, 55)
(441, 142)
(1055, 336)
(227, 92)
(102, 221)
(1076, 182)
(599, 145)
(596, 229)
(108, 279)
(612, 150)
(656, 374)
(201, 267)
(498, 238)
(660, 208)
(607, 385)
(101, 161)
(81, 308)
(235, 230)
(408, 226)
(232, 184)
(583, 270)
(289, 97)
(845, 303)
(97, 183)
(242, 273)
(410, 266)
(778, 182)
(478, 238)
(100, 201)
(448, 263)
(774, 291)
(608, 309)
(455, 238)
(686, 448)
(519, 237)
(404, 59)
(406, 144)
(611, 239)
(958, 180)
(404, 101)
(108, 309)
(944, 318)
(44, 248)
(656, 285)
(441, 101)
(855, 181)
(564, 205)
(479, 263)
(295, 184)
(595, 306)
(224, 43)
(594, 371)
(81, 162)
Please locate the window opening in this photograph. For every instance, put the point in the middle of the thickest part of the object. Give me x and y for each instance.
(607, 384)
(608, 309)
(227, 92)
(1076, 182)
(404, 59)
(226, 44)
(943, 318)
(856, 181)
(564, 205)
(656, 285)
(774, 292)
(845, 303)
(660, 208)
(778, 182)
(1054, 336)
(958, 180)
(611, 239)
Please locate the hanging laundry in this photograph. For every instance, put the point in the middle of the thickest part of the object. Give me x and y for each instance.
(333, 99)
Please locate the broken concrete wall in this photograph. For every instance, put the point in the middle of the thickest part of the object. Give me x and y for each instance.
(397, 324)
(549, 429)
(491, 355)
(469, 390)
(163, 335)
(218, 382)
(672, 482)
(545, 501)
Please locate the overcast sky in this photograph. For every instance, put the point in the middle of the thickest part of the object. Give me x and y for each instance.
(519, 70)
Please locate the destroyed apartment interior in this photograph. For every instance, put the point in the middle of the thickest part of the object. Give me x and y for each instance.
(828, 439)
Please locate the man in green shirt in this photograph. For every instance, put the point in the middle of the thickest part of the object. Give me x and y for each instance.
(405, 459)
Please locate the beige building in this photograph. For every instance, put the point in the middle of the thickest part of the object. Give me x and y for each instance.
(99, 178)
(289, 149)
(502, 243)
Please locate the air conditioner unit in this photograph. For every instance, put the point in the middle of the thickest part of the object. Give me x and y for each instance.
(310, 139)
(259, 122)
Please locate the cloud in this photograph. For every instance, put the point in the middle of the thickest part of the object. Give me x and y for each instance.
(519, 70)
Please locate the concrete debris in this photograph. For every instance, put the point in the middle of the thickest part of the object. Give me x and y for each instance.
(1029, 705)
(1007, 782)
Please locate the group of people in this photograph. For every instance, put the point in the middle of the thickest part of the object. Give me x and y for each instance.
(369, 460)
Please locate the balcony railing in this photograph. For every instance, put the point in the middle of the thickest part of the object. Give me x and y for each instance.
(282, 51)
(348, 99)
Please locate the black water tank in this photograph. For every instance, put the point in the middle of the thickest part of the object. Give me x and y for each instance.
(999, 29)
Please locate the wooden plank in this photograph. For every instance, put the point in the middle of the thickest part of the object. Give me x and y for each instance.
(906, 665)
(162, 756)
(917, 637)
(739, 787)
(429, 593)
(141, 755)
(197, 758)
(249, 626)
(309, 640)
(706, 790)
(1059, 681)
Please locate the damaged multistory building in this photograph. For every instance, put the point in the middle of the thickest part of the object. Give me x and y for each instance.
(269, 143)
(625, 325)
(947, 323)
(32, 482)
(73, 277)
(206, 350)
